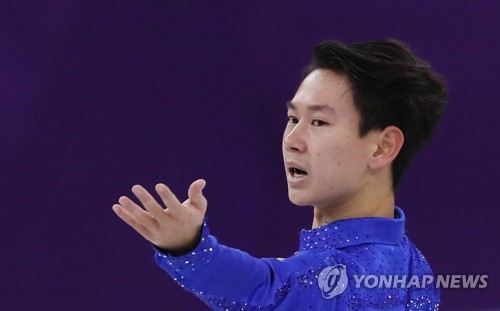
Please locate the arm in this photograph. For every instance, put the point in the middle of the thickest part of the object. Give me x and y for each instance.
(221, 275)
(194, 258)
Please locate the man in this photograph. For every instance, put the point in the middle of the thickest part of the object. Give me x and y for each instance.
(358, 117)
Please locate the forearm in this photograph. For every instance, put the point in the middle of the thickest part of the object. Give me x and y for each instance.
(220, 272)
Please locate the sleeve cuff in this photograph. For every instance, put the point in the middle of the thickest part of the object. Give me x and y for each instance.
(182, 266)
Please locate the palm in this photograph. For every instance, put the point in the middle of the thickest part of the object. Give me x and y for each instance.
(173, 226)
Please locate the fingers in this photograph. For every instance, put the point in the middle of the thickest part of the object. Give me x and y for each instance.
(131, 220)
(134, 209)
(133, 214)
(195, 193)
(148, 201)
(167, 196)
(168, 227)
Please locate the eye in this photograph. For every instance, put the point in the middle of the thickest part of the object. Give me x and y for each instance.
(292, 119)
(319, 123)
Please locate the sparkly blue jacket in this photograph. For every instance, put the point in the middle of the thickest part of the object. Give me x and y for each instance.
(352, 264)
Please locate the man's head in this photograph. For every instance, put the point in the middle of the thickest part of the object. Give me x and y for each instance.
(390, 86)
(358, 117)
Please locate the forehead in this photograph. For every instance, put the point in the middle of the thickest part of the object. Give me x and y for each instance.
(323, 90)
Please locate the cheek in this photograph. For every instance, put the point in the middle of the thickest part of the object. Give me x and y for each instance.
(337, 155)
(334, 165)
(332, 157)
(329, 166)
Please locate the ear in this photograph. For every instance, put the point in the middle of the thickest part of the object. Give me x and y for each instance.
(389, 143)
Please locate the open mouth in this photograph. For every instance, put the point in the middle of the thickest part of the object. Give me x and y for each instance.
(296, 172)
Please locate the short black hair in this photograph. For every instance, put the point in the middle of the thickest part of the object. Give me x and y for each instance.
(390, 86)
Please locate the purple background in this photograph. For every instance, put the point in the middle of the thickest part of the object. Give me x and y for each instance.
(97, 96)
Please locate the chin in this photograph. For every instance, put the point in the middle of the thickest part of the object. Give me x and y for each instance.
(298, 200)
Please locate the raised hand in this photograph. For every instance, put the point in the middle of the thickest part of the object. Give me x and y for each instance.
(173, 226)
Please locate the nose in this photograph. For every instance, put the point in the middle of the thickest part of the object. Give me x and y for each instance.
(294, 138)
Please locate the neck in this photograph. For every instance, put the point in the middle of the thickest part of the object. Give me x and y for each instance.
(374, 204)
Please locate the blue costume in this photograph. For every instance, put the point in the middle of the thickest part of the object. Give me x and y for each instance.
(338, 267)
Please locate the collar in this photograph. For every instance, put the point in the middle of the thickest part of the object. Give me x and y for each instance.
(355, 231)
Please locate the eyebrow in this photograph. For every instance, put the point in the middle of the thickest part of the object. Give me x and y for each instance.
(316, 107)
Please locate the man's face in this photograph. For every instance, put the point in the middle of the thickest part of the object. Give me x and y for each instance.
(326, 161)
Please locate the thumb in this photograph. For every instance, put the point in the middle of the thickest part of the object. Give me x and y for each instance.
(195, 193)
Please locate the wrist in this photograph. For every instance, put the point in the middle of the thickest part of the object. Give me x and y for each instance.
(184, 249)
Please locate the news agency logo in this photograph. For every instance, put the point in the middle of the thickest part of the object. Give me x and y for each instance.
(332, 281)
(421, 281)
